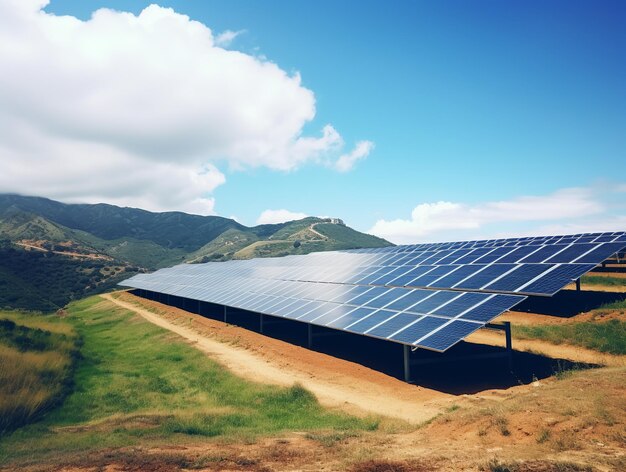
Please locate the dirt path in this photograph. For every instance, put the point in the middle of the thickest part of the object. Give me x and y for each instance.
(313, 230)
(522, 318)
(560, 351)
(77, 255)
(336, 382)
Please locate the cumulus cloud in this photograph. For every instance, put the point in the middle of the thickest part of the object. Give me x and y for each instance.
(566, 210)
(278, 216)
(141, 109)
(347, 161)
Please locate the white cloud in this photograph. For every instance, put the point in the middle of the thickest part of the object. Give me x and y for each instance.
(347, 161)
(278, 216)
(566, 210)
(227, 37)
(140, 109)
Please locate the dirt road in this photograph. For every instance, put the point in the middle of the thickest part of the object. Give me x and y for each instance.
(556, 351)
(313, 230)
(337, 383)
(77, 255)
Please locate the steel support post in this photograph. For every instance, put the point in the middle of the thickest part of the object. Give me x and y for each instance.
(225, 314)
(578, 285)
(509, 343)
(407, 362)
(261, 320)
(310, 336)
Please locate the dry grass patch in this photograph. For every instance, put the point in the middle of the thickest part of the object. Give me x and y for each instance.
(36, 367)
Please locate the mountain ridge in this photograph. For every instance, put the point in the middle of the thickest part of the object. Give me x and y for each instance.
(91, 247)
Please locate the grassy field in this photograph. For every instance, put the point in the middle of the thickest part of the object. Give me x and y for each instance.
(138, 384)
(37, 359)
(609, 336)
(607, 281)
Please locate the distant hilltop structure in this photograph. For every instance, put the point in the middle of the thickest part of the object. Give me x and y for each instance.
(334, 221)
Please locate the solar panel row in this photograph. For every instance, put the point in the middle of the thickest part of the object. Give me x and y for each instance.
(536, 240)
(395, 314)
(427, 295)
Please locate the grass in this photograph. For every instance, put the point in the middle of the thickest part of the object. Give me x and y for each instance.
(139, 384)
(330, 439)
(602, 280)
(37, 359)
(543, 435)
(618, 305)
(609, 336)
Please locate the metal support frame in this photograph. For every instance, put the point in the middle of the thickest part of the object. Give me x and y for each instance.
(504, 326)
(407, 362)
(261, 322)
(578, 284)
(225, 314)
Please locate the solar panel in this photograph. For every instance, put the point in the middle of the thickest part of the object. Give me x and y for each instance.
(425, 295)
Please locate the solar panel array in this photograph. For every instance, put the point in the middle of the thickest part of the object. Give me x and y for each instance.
(427, 295)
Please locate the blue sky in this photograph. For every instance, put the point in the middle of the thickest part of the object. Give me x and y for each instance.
(466, 103)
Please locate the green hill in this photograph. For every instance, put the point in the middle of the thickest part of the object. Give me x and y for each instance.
(110, 222)
(51, 252)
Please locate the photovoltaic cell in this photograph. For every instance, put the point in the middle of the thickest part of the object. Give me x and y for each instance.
(431, 303)
(486, 312)
(517, 254)
(521, 275)
(413, 297)
(407, 277)
(571, 253)
(351, 317)
(493, 255)
(486, 275)
(455, 277)
(557, 278)
(368, 296)
(374, 319)
(393, 324)
(316, 312)
(418, 330)
(338, 312)
(449, 335)
(542, 254)
(462, 304)
(600, 253)
(431, 276)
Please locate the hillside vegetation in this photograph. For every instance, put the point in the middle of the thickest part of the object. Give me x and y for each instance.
(46, 281)
(51, 252)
